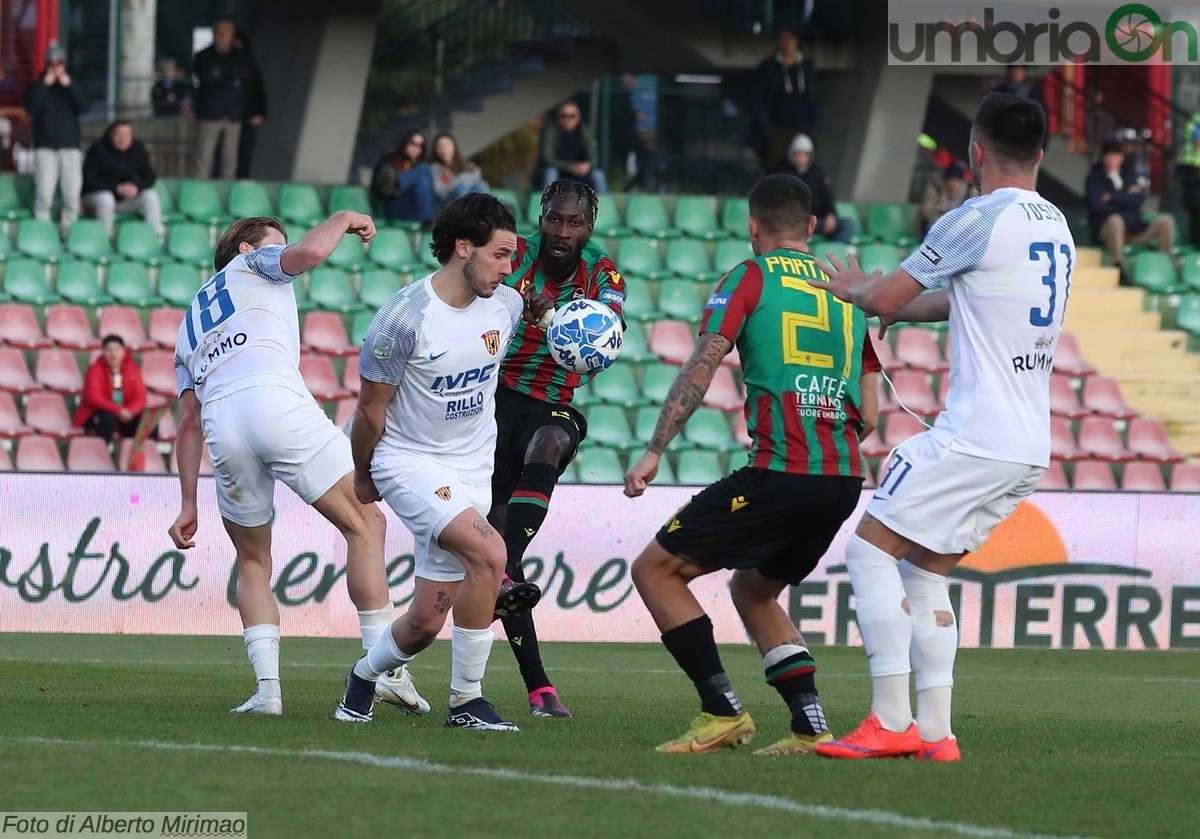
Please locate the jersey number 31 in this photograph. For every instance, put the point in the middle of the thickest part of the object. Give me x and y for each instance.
(1038, 249)
(212, 307)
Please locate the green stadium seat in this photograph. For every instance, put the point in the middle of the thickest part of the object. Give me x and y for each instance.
(645, 420)
(129, 284)
(78, 282)
(677, 300)
(137, 241)
(303, 302)
(735, 217)
(11, 208)
(570, 475)
(349, 197)
(359, 326)
(657, 380)
(600, 466)
(1191, 271)
(688, 259)
(200, 201)
(533, 208)
(87, 239)
(616, 386)
(699, 468)
(838, 249)
(509, 198)
(39, 239)
(608, 218)
(695, 217)
(348, 255)
(393, 249)
(1156, 273)
(1188, 316)
(709, 429)
(640, 258)
(889, 223)
(646, 215)
(666, 475)
(639, 305)
(25, 282)
(300, 204)
(331, 288)
(178, 284)
(731, 253)
(189, 242)
(248, 199)
(378, 285)
(881, 257)
(425, 254)
(167, 188)
(847, 210)
(635, 349)
(608, 426)
(6, 248)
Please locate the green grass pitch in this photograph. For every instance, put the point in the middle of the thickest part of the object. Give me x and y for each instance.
(1055, 743)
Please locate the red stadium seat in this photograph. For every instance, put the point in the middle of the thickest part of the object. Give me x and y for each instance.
(205, 463)
(917, 348)
(14, 372)
(1102, 395)
(67, 326)
(19, 327)
(1062, 440)
(724, 393)
(89, 454)
(350, 379)
(874, 447)
(57, 370)
(345, 410)
(734, 359)
(1068, 360)
(125, 321)
(886, 403)
(899, 428)
(11, 424)
(149, 459)
(1054, 477)
(168, 429)
(1098, 439)
(324, 332)
(672, 341)
(1148, 440)
(883, 350)
(1143, 477)
(164, 327)
(740, 431)
(1064, 401)
(37, 453)
(1185, 477)
(943, 389)
(912, 391)
(46, 413)
(320, 379)
(5, 460)
(158, 372)
(1094, 474)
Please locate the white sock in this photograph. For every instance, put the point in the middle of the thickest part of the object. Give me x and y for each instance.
(262, 648)
(934, 646)
(372, 623)
(469, 652)
(886, 630)
(382, 657)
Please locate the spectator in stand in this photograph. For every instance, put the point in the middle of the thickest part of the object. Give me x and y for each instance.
(824, 207)
(1115, 202)
(114, 395)
(568, 150)
(402, 183)
(1018, 82)
(784, 100)
(1189, 176)
(54, 106)
(452, 176)
(171, 90)
(944, 191)
(117, 177)
(255, 113)
(224, 76)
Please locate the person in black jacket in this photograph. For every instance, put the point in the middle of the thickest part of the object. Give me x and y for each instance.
(255, 112)
(1115, 200)
(224, 75)
(785, 100)
(54, 105)
(117, 176)
(824, 207)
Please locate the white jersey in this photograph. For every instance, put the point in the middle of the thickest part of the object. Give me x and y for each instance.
(1006, 259)
(445, 363)
(241, 330)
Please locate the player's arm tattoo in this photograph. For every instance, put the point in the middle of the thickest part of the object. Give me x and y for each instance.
(689, 388)
(485, 529)
(442, 603)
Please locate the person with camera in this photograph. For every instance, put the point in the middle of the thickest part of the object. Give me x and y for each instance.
(54, 106)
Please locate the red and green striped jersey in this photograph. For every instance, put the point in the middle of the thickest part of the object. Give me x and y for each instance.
(803, 352)
(529, 367)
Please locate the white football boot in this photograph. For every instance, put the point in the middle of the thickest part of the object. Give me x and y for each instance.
(395, 687)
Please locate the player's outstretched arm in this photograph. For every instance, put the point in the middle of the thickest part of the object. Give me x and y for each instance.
(189, 446)
(320, 242)
(683, 398)
(369, 419)
(877, 294)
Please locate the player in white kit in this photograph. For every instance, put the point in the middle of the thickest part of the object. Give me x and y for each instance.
(424, 439)
(237, 361)
(1004, 261)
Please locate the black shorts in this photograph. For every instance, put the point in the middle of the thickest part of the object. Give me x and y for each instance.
(518, 417)
(778, 523)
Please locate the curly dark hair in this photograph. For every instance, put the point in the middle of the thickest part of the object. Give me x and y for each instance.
(566, 186)
(474, 217)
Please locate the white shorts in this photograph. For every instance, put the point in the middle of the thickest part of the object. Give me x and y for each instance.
(427, 496)
(946, 501)
(261, 434)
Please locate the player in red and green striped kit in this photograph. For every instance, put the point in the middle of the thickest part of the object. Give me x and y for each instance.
(538, 432)
(811, 395)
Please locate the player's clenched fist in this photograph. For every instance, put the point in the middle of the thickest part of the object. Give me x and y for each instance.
(182, 530)
(640, 474)
(539, 310)
(361, 225)
(365, 490)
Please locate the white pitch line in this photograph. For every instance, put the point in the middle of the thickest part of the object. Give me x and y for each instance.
(624, 785)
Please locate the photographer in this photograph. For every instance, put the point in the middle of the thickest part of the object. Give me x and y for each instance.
(54, 105)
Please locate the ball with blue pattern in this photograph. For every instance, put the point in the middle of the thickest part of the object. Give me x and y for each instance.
(585, 337)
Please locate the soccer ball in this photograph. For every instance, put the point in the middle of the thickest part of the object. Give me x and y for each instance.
(585, 337)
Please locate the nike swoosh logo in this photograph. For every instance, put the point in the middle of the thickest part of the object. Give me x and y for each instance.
(697, 746)
(433, 357)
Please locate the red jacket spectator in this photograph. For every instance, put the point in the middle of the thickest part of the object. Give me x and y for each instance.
(98, 390)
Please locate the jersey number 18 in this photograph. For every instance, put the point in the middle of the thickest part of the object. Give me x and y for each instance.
(212, 307)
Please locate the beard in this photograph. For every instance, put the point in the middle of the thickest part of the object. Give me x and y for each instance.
(471, 273)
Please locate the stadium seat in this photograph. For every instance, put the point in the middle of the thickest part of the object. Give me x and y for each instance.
(158, 372)
(1064, 401)
(1099, 440)
(724, 394)
(425, 255)
(1055, 477)
(645, 420)
(823, 250)
(1140, 476)
(166, 189)
(164, 327)
(599, 466)
(1190, 270)
(332, 289)
(11, 207)
(699, 468)
(56, 369)
(889, 224)
(912, 391)
(900, 427)
(126, 322)
(735, 215)
(392, 249)
(89, 454)
(348, 255)
(129, 284)
(300, 288)
(666, 475)
(88, 239)
(687, 259)
(325, 333)
(349, 197)
(677, 299)
(878, 257)
(608, 219)
(616, 386)
(1185, 477)
(5, 460)
(1187, 316)
(320, 379)
(656, 382)
(25, 282)
(200, 201)
(846, 210)
(608, 426)
(19, 327)
(917, 348)
(1156, 273)
(883, 349)
(344, 412)
(248, 199)
(732, 359)
(46, 413)
(731, 253)
(672, 340)
(350, 378)
(639, 259)
(508, 197)
(1148, 440)
(11, 424)
(79, 282)
(14, 372)
(872, 446)
(39, 239)
(639, 305)
(377, 287)
(708, 429)
(695, 217)
(359, 326)
(646, 215)
(1062, 440)
(300, 204)
(1102, 395)
(190, 243)
(38, 453)
(137, 241)
(635, 348)
(205, 462)
(1093, 475)
(1067, 358)
(178, 284)
(149, 459)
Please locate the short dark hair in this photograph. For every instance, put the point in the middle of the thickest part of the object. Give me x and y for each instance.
(566, 186)
(113, 126)
(781, 203)
(112, 339)
(1013, 125)
(1112, 147)
(250, 230)
(474, 217)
